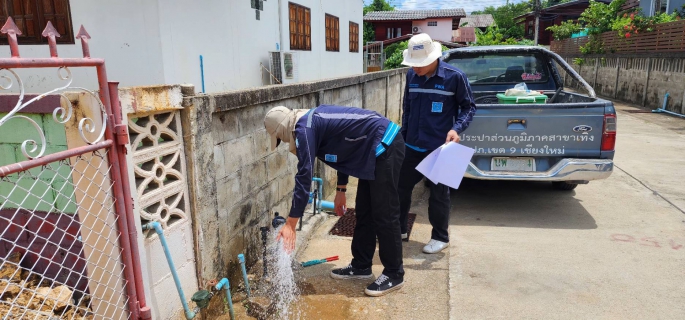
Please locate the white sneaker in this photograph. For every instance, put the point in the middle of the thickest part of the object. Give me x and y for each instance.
(404, 236)
(435, 246)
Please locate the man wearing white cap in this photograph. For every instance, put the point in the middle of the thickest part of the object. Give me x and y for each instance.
(359, 143)
(438, 107)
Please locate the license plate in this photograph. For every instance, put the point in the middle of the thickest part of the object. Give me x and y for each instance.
(512, 164)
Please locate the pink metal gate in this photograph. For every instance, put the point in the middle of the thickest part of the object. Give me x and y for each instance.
(68, 245)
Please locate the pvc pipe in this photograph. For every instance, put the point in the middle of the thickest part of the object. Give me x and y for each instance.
(241, 258)
(663, 109)
(326, 205)
(202, 73)
(319, 185)
(321, 204)
(227, 286)
(158, 229)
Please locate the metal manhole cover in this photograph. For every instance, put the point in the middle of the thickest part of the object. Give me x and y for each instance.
(345, 225)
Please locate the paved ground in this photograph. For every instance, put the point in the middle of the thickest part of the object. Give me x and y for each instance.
(613, 249)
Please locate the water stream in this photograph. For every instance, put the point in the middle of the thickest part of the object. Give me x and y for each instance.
(282, 287)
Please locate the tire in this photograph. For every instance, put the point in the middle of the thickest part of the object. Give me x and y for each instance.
(561, 185)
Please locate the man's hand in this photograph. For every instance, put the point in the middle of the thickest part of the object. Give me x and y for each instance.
(288, 234)
(452, 136)
(340, 202)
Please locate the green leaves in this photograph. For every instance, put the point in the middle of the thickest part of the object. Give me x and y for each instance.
(565, 30)
(394, 55)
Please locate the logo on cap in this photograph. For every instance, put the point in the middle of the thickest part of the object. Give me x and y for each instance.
(419, 47)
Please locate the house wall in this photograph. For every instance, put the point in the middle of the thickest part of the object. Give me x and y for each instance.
(442, 32)
(319, 63)
(674, 5)
(160, 42)
(132, 49)
(382, 28)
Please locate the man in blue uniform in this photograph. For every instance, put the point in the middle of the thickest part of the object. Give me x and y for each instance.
(359, 143)
(438, 107)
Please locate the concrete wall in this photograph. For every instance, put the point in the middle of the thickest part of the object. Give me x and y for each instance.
(236, 182)
(443, 31)
(642, 80)
(160, 42)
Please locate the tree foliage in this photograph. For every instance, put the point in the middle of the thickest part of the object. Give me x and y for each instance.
(505, 18)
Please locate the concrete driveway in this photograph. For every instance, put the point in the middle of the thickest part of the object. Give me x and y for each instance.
(612, 249)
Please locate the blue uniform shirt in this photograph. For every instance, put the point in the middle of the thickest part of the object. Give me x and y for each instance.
(434, 106)
(345, 138)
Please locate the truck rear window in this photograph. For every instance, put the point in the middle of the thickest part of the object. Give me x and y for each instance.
(501, 68)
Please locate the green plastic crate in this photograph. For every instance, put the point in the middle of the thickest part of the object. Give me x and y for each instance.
(519, 100)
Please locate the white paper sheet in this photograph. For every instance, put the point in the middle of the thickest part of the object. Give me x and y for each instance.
(447, 164)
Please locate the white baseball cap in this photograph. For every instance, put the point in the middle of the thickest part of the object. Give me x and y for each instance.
(421, 51)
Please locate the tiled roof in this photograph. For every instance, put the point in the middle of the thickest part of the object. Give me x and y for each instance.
(477, 21)
(414, 14)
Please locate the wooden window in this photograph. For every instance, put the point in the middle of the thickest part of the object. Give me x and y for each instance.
(354, 37)
(300, 27)
(432, 23)
(31, 16)
(332, 33)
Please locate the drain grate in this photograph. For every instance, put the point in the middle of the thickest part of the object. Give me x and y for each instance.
(345, 225)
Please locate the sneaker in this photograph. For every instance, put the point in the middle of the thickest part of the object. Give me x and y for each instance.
(351, 272)
(435, 246)
(383, 285)
(405, 237)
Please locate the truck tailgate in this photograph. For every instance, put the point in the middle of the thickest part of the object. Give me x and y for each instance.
(541, 132)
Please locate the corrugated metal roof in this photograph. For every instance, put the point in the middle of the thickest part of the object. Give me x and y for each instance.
(414, 14)
(477, 21)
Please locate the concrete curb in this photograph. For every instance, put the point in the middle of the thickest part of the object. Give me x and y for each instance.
(310, 223)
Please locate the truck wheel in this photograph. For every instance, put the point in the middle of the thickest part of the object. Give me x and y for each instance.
(561, 185)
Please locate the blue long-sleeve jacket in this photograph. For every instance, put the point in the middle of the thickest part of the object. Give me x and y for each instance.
(345, 138)
(432, 107)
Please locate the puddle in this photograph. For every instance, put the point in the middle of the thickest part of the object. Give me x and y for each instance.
(324, 307)
(286, 295)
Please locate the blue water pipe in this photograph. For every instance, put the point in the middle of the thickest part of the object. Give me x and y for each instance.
(158, 229)
(663, 109)
(241, 258)
(202, 72)
(321, 204)
(227, 287)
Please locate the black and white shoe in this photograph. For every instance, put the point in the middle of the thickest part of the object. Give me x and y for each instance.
(351, 272)
(383, 285)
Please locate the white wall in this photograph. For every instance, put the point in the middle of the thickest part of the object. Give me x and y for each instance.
(319, 63)
(443, 31)
(124, 32)
(227, 35)
(159, 42)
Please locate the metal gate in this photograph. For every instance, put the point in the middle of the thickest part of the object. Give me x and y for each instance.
(374, 57)
(68, 246)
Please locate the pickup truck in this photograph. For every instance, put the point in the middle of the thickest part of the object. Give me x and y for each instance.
(567, 140)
